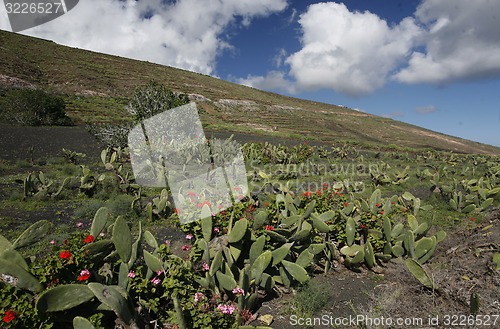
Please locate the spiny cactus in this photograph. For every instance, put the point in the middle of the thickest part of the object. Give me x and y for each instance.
(32, 234)
(122, 239)
(62, 298)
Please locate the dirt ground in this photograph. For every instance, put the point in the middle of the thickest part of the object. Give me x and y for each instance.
(462, 264)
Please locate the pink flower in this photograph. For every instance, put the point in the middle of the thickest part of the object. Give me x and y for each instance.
(131, 274)
(52, 241)
(167, 242)
(189, 236)
(186, 247)
(79, 224)
(84, 275)
(226, 309)
(155, 281)
(206, 267)
(216, 230)
(198, 296)
(159, 272)
(238, 291)
(102, 234)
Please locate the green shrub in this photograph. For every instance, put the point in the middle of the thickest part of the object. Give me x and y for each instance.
(34, 108)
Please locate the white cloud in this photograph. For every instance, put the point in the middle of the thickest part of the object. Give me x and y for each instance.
(462, 42)
(274, 80)
(356, 53)
(186, 33)
(393, 115)
(280, 57)
(426, 109)
(350, 52)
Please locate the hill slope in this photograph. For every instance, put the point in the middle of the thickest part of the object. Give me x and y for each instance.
(97, 86)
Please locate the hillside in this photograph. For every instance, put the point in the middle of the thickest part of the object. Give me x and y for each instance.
(97, 86)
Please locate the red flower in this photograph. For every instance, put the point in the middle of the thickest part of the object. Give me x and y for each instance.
(84, 275)
(186, 247)
(471, 219)
(377, 205)
(266, 204)
(65, 254)
(89, 239)
(9, 316)
(191, 194)
(362, 226)
(199, 205)
(207, 203)
(381, 212)
(307, 194)
(318, 192)
(346, 204)
(269, 227)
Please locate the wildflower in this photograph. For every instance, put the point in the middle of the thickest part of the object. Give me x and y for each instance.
(207, 203)
(189, 236)
(9, 316)
(226, 309)
(52, 241)
(84, 275)
(89, 239)
(346, 204)
(65, 254)
(206, 267)
(199, 205)
(167, 242)
(155, 281)
(159, 272)
(318, 192)
(238, 291)
(382, 212)
(216, 230)
(237, 188)
(102, 234)
(191, 193)
(307, 194)
(177, 211)
(79, 224)
(266, 204)
(198, 296)
(186, 247)
(131, 274)
(362, 226)
(377, 205)
(471, 219)
(269, 228)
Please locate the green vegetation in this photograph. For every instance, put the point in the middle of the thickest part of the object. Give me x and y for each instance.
(114, 268)
(33, 108)
(97, 87)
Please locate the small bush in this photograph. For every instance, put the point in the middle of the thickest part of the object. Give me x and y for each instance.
(34, 108)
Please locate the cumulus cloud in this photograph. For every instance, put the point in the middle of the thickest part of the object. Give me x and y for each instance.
(188, 34)
(426, 109)
(350, 52)
(274, 80)
(461, 42)
(356, 53)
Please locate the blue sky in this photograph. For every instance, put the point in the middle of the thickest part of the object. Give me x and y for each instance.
(432, 63)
